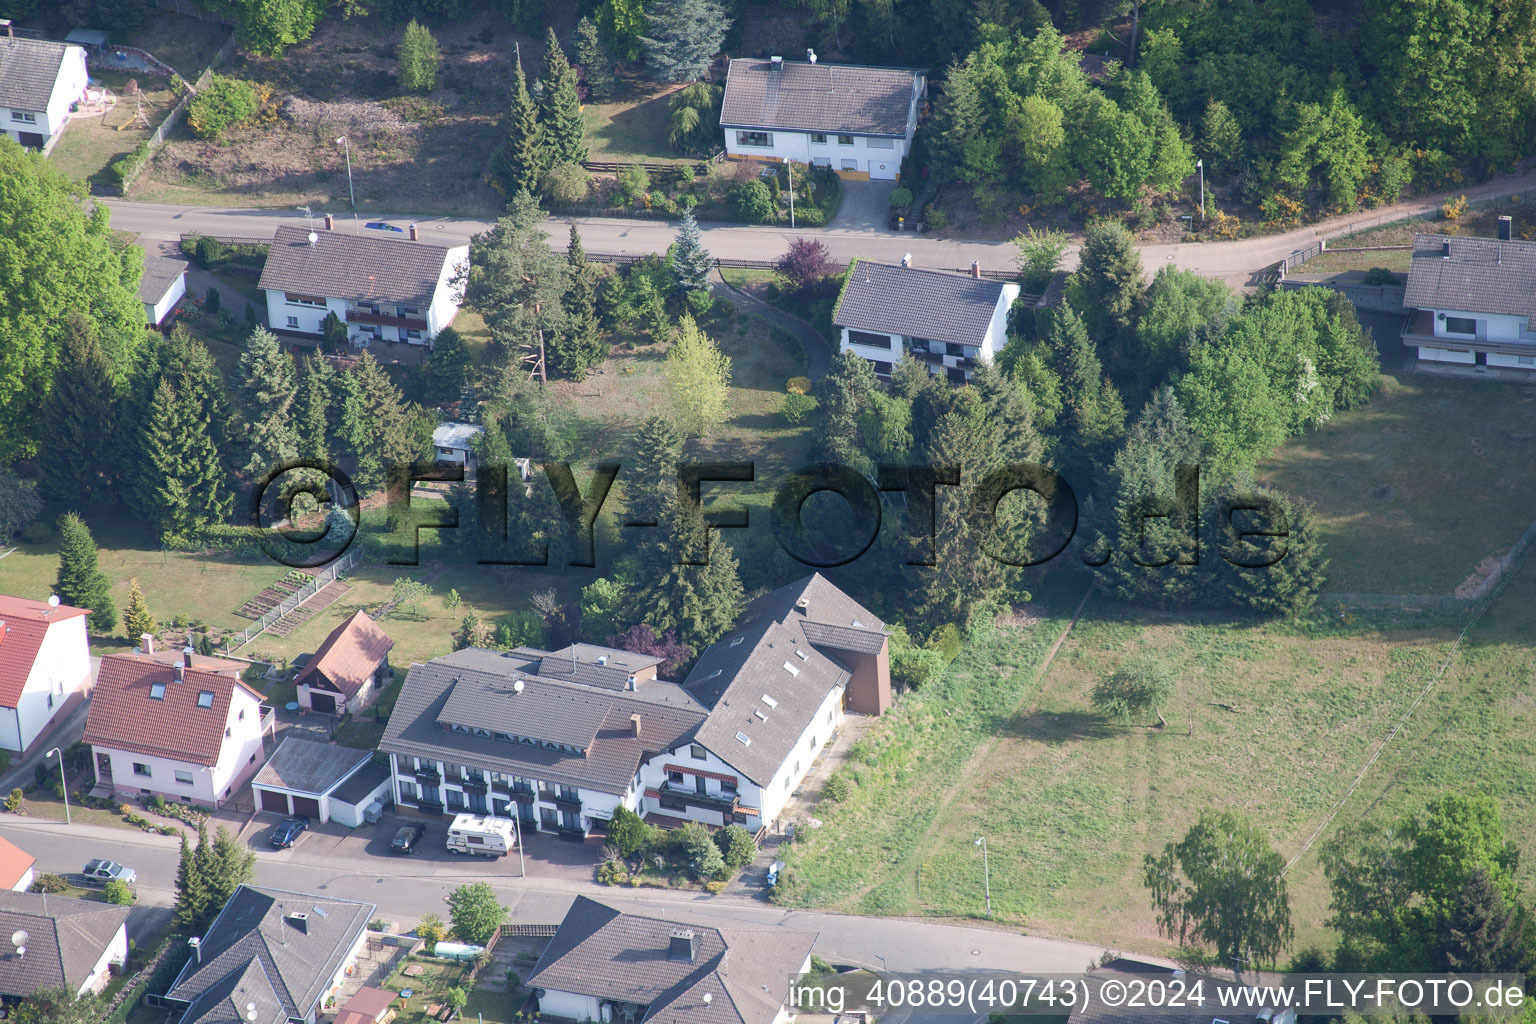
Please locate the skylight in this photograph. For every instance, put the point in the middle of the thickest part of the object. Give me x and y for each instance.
(205, 698)
(770, 701)
(802, 655)
(792, 670)
(760, 716)
(157, 691)
(746, 740)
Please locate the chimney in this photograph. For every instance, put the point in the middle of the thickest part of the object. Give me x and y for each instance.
(179, 673)
(602, 659)
(634, 726)
(330, 223)
(300, 921)
(186, 656)
(976, 269)
(680, 945)
(1506, 229)
(147, 643)
(413, 235)
(810, 55)
(630, 683)
(906, 259)
(1445, 250)
(10, 33)
(802, 604)
(776, 63)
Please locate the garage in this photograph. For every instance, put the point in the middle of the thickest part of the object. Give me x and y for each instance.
(324, 703)
(323, 782)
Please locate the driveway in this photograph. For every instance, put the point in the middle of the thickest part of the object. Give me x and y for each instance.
(866, 207)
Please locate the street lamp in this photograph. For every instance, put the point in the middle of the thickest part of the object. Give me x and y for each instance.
(1200, 166)
(347, 146)
(883, 968)
(791, 168)
(62, 778)
(986, 871)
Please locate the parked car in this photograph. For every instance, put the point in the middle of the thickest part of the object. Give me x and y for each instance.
(379, 225)
(406, 838)
(100, 872)
(287, 832)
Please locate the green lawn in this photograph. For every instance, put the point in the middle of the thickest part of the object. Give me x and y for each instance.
(90, 144)
(633, 128)
(1335, 262)
(1417, 488)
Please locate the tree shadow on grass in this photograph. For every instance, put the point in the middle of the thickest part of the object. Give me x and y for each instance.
(1063, 727)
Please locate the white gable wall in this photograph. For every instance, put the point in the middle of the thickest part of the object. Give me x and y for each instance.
(116, 952)
(445, 298)
(156, 312)
(62, 668)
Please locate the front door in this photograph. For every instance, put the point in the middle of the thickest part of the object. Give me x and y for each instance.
(547, 819)
(104, 767)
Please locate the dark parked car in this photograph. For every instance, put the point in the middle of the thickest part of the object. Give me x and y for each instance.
(406, 838)
(287, 832)
(100, 872)
(379, 225)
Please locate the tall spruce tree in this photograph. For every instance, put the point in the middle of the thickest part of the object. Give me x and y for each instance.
(565, 130)
(381, 426)
(184, 485)
(520, 159)
(1095, 416)
(80, 582)
(79, 416)
(689, 260)
(191, 906)
(1109, 279)
(517, 282)
(596, 65)
(580, 345)
(699, 602)
(685, 36)
(312, 408)
(189, 367)
(137, 619)
(651, 481)
(266, 389)
(447, 369)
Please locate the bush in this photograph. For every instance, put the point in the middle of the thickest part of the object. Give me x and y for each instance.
(14, 801)
(49, 883)
(565, 183)
(222, 104)
(798, 385)
(752, 202)
(117, 893)
(37, 532)
(934, 217)
(5, 760)
(797, 407)
(212, 305)
(1379, 275)
(124, 168)
(837, 788)
(699, 303)
(634, 183)
(901, 197)
(736, 846)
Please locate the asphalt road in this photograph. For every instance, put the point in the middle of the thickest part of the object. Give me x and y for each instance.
(1235, 261)
(404, 888)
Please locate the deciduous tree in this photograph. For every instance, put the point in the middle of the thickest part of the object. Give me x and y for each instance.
(417, 59)
(698, 380)
(476, 912)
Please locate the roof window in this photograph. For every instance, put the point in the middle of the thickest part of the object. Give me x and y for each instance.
(746, 740)
(770, 701)
(157, 691)
(205, 698)
(792, 670)
(802, 656)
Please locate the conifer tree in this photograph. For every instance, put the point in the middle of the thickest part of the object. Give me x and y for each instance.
(312, 407)
(520, 159)
(651, 481)
(447, 369)
(596, 65)
(699, 602)
(1095, 416)
(380, 425)
(517, 282)
(565, 130)
(266, 387)
(1275, 575)
(581, 344)
(191, 903)
(183, 486)
(137, 619)
(79, 416)
(80, 582)
(621, 22)
(418, 59)
(685, 36)
(689, 260)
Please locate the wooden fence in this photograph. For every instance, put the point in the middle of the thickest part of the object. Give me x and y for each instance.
(235, 641)
(615, 166)
(174, 117)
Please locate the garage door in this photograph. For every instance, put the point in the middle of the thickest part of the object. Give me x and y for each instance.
(322, 702)
(271, 801)
(307, 807)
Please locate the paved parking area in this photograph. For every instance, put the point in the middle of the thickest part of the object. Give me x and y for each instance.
(866, 206)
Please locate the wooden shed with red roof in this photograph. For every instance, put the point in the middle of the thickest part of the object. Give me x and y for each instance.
(348, 670)
(45, 668)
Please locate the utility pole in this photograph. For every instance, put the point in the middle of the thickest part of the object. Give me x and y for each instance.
(62, 779)
(791, 168)
(350, 194)
(986, 872)
(1200, 166)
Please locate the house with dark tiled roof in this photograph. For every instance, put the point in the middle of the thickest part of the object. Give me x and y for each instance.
(556, 738)
(45, 667)
(603, 964)
(53, 942)
(952, 322)
(177, 724)
(163, 285)
(40, 82)
(777, 689)
(271, 957)
(857, 120)
(349, 669)
(382, 288)
(1472, 302)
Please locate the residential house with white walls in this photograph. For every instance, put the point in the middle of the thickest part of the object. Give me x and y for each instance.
(49, 942)
(45, 668)
(382, 288)
(40, 81)
(952, 322)
(856, 120)
(1472, 303)
(182, 726)
(271, 957)
(17, 867)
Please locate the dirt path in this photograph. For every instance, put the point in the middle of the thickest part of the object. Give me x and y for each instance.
(818, 354)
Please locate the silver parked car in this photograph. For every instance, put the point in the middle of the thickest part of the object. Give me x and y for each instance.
(100, 872)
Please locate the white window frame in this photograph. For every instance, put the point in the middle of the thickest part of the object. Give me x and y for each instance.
(845, 140)
(187, 781)
(818, 138)
(293, 321)
(24, 116)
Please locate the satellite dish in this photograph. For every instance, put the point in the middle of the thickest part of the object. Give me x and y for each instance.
(21, 950)
(313, 237)
(53, 600)
(517, 687)
(19, 938)
(708, 998)
(250, 1011)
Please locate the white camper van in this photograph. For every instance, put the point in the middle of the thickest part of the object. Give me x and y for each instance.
(481, 833)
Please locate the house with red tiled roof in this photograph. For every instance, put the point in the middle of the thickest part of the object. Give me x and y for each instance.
(16, 867)
(176, 724)
(45, 668)
(349, 669)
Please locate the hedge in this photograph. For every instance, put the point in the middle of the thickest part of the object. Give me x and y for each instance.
(126, 167)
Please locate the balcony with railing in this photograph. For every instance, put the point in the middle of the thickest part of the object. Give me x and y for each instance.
(427, 773)
(566, 800)
(692, 795)
(405, 323)
(474, 784)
